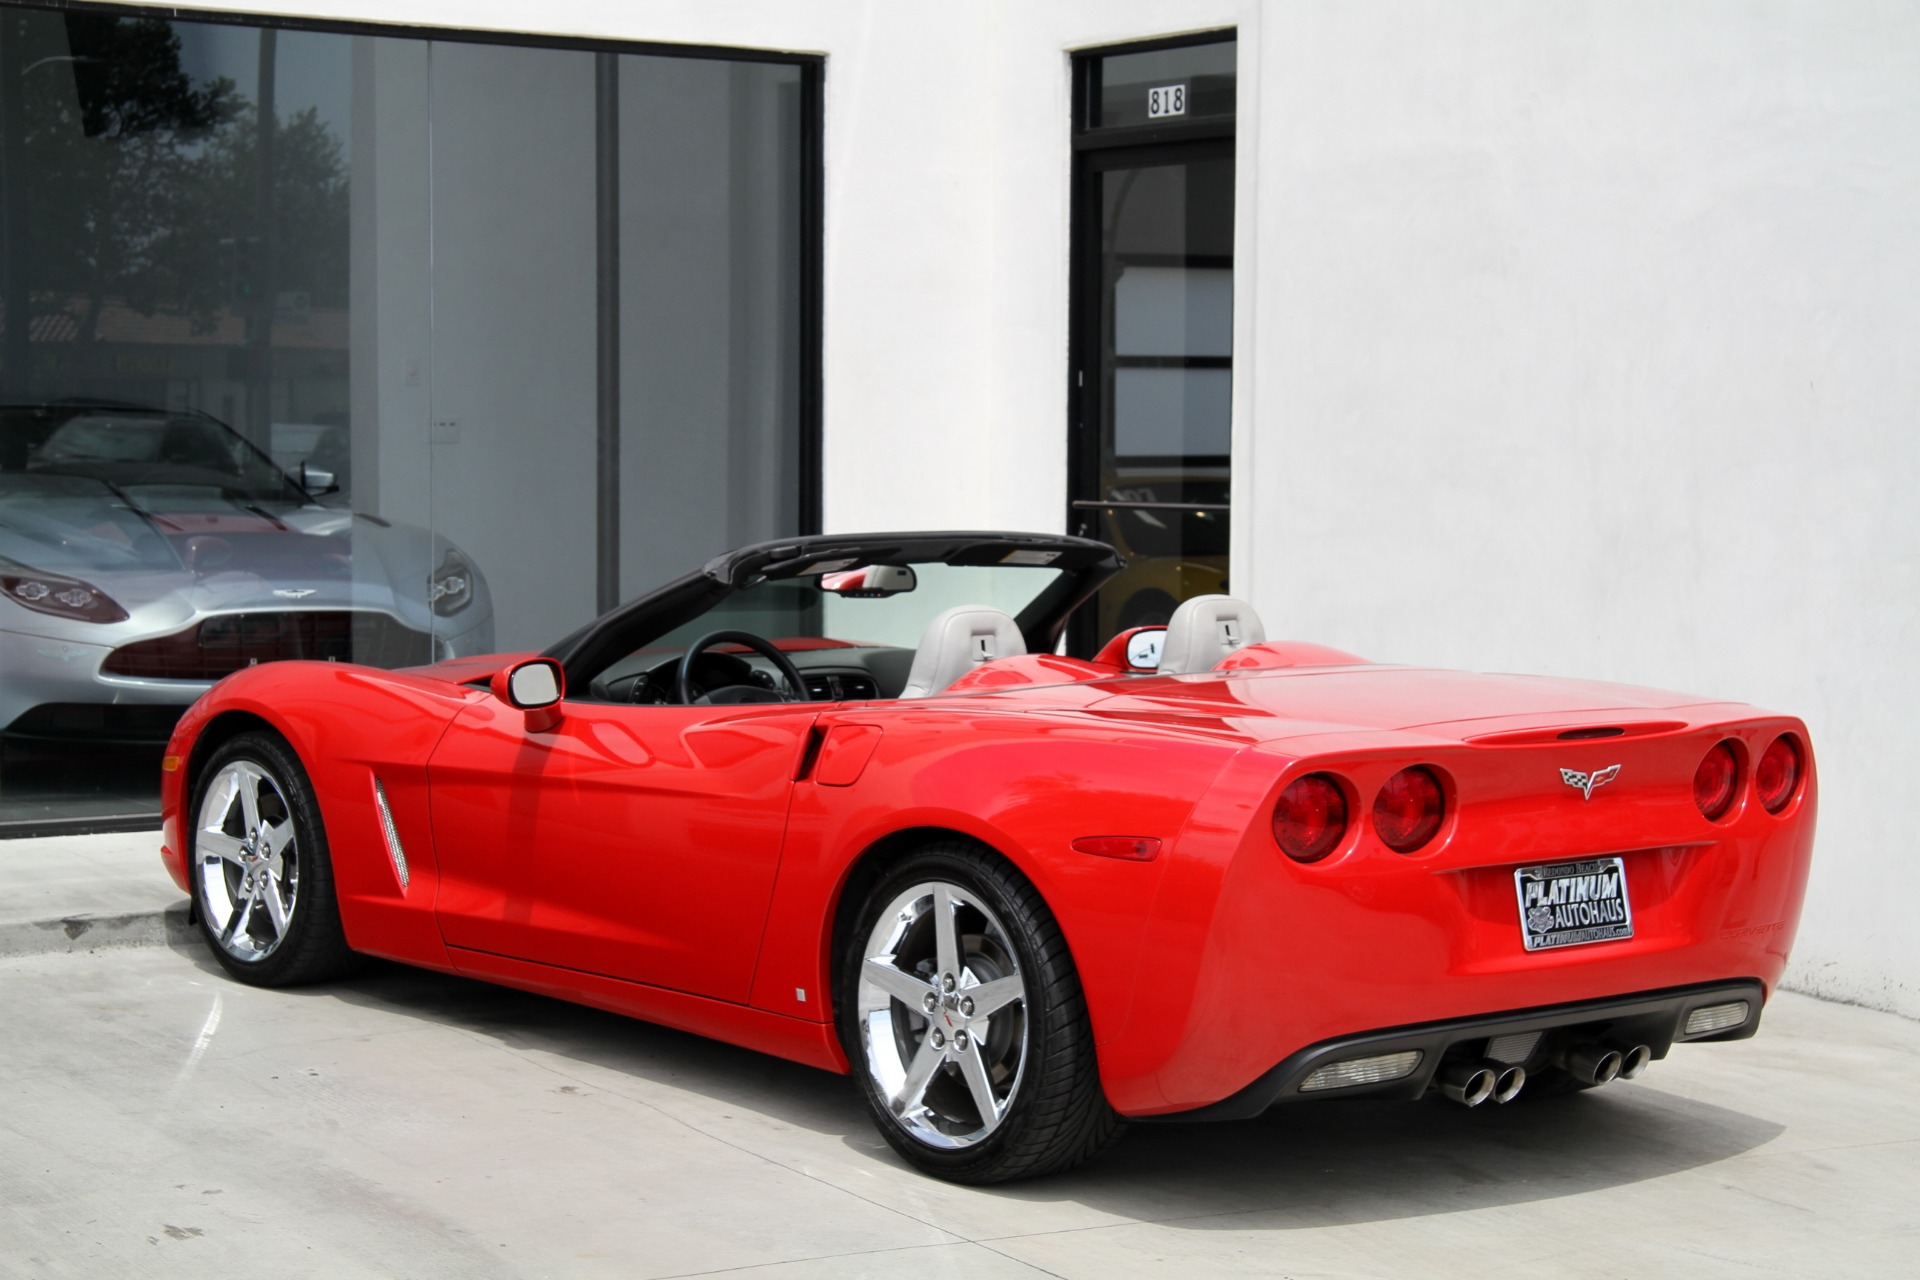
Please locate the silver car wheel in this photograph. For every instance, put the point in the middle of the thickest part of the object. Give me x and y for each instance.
(942, 1010)
(248, 861)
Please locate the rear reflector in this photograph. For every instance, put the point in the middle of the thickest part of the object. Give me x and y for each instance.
(1716, 1017)
(1714, 781)
(1777, 775)
(1310, 817)
(1131, 848)
(1356, 1071)
(1408, 810)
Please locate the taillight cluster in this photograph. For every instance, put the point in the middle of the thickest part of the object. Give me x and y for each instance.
(1310, 819)
(1776, 779)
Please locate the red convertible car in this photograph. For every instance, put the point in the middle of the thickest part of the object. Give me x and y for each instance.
(839, 799)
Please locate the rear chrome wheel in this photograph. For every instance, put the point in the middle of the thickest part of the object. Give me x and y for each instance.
(943, 1015)
(964, 1018)
(261, 879)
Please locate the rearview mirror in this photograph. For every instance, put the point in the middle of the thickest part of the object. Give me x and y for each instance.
(535, 687)
(870, 582)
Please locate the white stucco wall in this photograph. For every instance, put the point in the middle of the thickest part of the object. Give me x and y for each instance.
(1573, 338)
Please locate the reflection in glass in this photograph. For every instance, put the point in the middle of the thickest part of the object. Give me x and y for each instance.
(297, 335)
(1166, 419)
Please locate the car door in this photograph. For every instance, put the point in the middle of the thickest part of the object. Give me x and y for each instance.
(639, 842)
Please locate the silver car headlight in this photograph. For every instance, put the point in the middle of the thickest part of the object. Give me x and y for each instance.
(450, 587)
(61, 596)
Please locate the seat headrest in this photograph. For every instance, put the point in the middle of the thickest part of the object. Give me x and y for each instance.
(1206, 629)
(958, 641)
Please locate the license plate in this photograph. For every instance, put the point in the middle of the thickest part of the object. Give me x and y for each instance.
(1564, 904)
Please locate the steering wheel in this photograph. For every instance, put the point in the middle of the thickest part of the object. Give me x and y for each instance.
(783, 664)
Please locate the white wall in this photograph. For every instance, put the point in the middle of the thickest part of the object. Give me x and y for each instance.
(1590, 332)
(1570, 338)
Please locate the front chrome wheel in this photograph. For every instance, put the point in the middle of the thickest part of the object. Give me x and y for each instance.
(942, 1015)
(260, 874)
(248, 861)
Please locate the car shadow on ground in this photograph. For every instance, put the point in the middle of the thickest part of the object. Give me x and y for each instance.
(1308, 1165)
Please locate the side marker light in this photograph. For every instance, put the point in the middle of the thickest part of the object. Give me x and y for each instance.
(1127, 848)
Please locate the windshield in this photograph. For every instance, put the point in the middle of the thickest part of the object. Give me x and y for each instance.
(137, 449)
(69, 523)
(797, 609)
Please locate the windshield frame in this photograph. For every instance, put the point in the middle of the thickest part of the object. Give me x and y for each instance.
(1083, 564)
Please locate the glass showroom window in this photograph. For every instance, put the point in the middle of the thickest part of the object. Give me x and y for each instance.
(374, 348)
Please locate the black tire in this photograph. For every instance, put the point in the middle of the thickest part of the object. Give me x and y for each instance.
(1055, 1114)
(232, 872)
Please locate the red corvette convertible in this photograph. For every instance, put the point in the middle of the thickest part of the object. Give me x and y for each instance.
(838, 799)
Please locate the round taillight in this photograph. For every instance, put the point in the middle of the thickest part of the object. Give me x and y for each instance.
(1778, 773)
(1714, 781)
(1310, 817)
(1408, 810)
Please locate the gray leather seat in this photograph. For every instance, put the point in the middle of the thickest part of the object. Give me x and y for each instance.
(1206, 629)
(958, 641)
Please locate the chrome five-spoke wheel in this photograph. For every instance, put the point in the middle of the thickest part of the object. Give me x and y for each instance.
(260, 875)
(943, 1017)
(962, 1014)
(248, 860)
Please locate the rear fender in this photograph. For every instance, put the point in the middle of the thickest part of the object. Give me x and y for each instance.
(1017, 786)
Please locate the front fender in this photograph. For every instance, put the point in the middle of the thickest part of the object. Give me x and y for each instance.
(324, 711)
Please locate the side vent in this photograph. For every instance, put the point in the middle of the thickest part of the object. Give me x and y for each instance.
(397, 854)
(835, 687)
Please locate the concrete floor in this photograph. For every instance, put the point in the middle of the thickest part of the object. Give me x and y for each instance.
(161, 1120)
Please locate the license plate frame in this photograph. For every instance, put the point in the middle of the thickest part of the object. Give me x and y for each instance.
(1573, 903)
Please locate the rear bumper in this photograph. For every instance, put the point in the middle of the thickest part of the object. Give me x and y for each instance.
(1657, 1019)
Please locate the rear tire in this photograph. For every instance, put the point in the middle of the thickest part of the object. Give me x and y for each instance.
(259, 870)
(971, 1041)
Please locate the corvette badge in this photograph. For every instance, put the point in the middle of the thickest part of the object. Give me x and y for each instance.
(293, 593)
(1585, 783)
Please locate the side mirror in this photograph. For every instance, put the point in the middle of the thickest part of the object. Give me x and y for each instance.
(1143, 648)
(536, 687)
(317, 482)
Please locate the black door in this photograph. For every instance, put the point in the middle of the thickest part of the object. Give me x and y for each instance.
(1152, 364)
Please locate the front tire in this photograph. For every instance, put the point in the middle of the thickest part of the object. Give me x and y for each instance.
(261, 877)
(962, 1013)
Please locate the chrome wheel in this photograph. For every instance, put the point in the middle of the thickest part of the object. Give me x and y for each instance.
(247, 860)
(942, 1015)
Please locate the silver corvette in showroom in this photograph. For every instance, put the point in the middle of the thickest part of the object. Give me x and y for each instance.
(144, 554)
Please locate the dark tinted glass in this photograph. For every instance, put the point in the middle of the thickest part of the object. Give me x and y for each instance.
(1165, 85)
(298, 339)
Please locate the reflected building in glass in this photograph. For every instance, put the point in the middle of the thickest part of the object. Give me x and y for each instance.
(373, 348)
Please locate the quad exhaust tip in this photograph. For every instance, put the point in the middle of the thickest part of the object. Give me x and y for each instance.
(1472, 1083)
(1603, 1063)
(1591, 1063)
